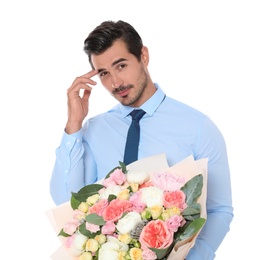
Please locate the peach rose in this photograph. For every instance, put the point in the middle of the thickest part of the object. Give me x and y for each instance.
(156, 235)
(175, 199)
(98, 207)
(115, 209)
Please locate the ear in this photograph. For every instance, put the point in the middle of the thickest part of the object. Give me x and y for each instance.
(145, 56)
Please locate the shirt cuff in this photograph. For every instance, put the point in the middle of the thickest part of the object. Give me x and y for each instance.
(69, 141)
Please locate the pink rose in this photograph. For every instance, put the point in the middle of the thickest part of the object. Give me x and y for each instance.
(174, 222)
(117, 177)
(108, 182)
(69, 241)
(115, 209)
(168, 181)
(148, 254)
(175, 199)
(108, 228)
(138, 205)
(92, 227)
(71, 226)
(78, 214)
(156, 235)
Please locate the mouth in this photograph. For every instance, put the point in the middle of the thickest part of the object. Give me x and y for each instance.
(122, 91)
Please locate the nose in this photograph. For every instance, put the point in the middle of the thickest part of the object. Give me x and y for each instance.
(116, 81)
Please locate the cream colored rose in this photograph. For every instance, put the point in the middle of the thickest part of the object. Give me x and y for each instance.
(125, 238)
(174, 211)
(156, 211)
(137, 177)
(152, 196)
(135, 254)
(83, 207)
(170, 212)
(122, 255)
(123, 194)
(85, 256)
(128, 222)
(93, 199)
(100, 238)
(134, 186)
(92, 245)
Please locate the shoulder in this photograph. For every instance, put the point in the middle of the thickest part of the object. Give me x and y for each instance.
(175, 106)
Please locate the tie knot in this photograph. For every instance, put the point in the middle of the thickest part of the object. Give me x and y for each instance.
(137, 114)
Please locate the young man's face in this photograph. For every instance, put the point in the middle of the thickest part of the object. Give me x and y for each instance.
(123, 75)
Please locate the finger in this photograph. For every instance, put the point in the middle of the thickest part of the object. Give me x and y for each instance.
(81, 83)
(86, 94)
(90, 74)
(84, 79)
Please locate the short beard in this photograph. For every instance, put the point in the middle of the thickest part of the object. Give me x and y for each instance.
(142, 84)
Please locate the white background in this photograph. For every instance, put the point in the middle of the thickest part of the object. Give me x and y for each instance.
(211, 55)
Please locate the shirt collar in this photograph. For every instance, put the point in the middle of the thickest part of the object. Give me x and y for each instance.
(150, 105)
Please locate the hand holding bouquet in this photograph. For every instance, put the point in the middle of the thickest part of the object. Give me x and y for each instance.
(135, 215)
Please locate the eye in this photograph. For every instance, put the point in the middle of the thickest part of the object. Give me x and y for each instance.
(103, 74)
(121, 66)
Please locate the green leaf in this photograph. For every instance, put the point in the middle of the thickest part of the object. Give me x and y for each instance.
(123, 167)
(74, 203)
(193, 189)
(161, 253)
(94, 218)
(192, 228)
(189, 218)
(111, 197)
(63, 234)
(190, 211)
(85, 192)
(130, 189)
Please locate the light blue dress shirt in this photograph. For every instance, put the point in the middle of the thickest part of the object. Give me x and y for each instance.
(169, 127)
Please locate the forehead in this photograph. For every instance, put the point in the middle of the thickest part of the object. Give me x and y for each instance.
(116, 52)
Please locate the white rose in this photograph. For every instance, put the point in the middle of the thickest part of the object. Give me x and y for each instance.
(115, 190)
(128, 222)
(137, 177)
(110, 249)
(152, 196)
(122, 246)
(78, 244)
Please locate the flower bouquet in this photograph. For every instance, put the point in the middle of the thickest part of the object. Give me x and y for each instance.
(145, 210)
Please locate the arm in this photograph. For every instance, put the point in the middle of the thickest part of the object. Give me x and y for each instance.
(211, 145)
(68, 171)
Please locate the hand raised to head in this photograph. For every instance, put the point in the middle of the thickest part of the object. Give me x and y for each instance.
(77, 102)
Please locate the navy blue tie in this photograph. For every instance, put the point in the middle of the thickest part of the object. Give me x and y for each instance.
(133, 137)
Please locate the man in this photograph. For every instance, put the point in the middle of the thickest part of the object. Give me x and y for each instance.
(90, 149)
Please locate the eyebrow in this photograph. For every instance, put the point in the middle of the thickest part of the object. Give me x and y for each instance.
(113, 64)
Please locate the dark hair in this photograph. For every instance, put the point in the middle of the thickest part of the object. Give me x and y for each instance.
(104, 35)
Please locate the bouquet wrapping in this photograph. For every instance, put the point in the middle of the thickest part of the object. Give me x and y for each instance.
(145, 210)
